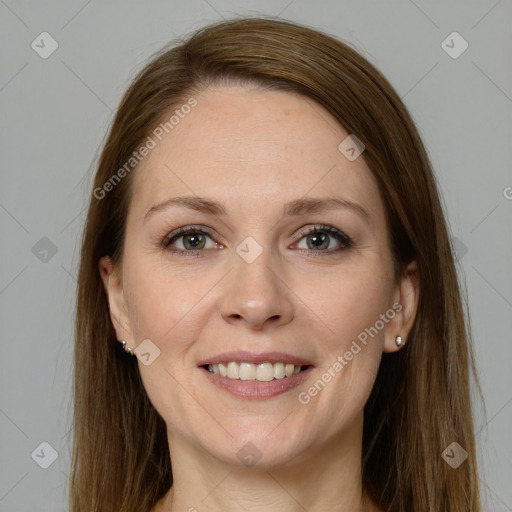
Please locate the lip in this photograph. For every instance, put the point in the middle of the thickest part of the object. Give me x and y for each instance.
(243, 356)
(256, 390)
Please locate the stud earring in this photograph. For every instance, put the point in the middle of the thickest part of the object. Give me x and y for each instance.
(127, 349)
(398, 341)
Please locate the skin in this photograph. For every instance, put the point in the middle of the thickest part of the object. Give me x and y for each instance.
(254, 150)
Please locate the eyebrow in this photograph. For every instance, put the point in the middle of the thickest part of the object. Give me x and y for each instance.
(294, 208)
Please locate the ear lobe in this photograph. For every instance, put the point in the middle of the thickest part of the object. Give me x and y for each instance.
(117, 307)
(407, 295)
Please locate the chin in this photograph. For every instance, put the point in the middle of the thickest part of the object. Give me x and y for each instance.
(257, 450)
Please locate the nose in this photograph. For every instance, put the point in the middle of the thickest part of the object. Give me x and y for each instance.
(257, 294)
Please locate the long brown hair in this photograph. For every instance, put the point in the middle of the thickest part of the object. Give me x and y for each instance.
(420, 402)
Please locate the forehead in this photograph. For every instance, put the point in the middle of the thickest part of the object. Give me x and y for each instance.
(246, 146)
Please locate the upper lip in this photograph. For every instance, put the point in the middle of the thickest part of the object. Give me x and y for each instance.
(243, 356)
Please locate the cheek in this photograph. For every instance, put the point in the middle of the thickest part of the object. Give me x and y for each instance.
(171, 311)
(354, 301)
(164, 307)
(353, 309)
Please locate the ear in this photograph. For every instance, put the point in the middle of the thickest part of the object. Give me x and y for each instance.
(112, 282)
(405, 305)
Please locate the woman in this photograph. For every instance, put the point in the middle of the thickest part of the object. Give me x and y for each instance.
(268, 311)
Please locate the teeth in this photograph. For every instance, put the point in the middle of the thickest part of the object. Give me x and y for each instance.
(262, 372)
(247, 371)
(279, 372)
(265, 372)
(233, 370)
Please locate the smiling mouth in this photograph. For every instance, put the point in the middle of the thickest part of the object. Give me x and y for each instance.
(263, 372)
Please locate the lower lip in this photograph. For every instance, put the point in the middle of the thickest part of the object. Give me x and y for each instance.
(256, 390)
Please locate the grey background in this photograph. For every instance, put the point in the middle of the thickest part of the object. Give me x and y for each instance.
(54, 115)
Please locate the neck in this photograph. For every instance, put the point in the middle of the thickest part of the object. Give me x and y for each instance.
(328, 478)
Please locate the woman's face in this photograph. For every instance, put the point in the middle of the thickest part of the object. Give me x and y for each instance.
(250, 284)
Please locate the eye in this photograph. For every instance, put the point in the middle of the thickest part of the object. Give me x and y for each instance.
(189, 240)
(193, 241)
(321, 239)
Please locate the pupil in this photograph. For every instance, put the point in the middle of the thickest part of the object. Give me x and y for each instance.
(193, 240)
(318, 239)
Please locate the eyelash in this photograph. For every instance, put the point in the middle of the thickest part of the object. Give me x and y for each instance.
(345, 240)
